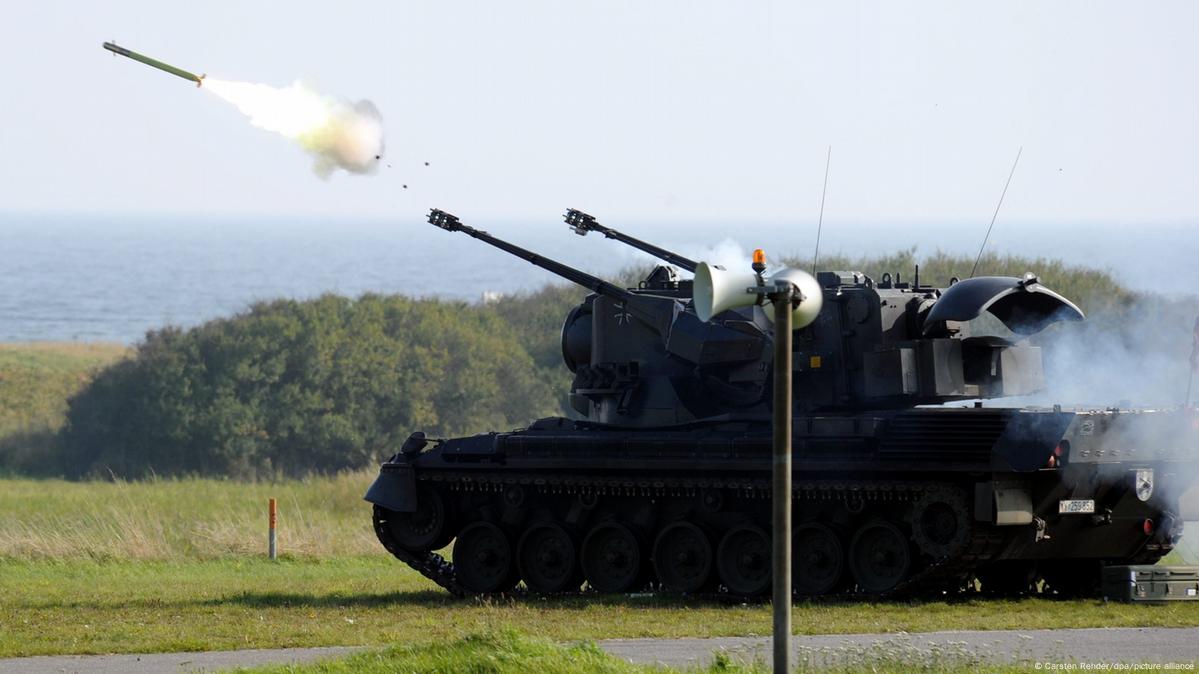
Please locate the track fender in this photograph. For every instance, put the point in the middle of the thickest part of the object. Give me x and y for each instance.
(394, 489)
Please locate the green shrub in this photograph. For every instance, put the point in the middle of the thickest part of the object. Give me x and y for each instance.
(293, 387)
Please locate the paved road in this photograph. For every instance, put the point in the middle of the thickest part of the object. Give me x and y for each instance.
(164, 663)
(1046, 647)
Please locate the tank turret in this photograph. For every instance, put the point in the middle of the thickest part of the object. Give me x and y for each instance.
(645, 357)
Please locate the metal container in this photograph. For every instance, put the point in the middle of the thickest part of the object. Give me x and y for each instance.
(1151, 584)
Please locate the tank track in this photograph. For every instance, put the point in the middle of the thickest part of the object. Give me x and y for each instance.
(945, 574)
(428, 564)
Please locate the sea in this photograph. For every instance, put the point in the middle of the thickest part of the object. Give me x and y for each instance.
(111, 278)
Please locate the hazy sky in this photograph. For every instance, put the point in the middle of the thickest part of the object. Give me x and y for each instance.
(654, 110)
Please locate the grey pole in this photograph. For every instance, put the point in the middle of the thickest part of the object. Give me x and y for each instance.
(782, 297)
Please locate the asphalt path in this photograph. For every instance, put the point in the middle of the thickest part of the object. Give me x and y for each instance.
(1040, 650)
(164, 663)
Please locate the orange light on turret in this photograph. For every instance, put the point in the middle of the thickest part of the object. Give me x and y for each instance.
(759, 265)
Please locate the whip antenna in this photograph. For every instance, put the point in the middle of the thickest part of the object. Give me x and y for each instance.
(820, 220)
(996, 213)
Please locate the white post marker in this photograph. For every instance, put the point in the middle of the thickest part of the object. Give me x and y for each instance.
(274, 516)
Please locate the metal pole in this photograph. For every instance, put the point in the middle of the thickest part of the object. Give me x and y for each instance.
(781, 494)
(274, 512)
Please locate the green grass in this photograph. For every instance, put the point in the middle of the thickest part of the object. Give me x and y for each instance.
(131, 607)
(182, 519)
(36, 380)
(506, 652)
(170, 565)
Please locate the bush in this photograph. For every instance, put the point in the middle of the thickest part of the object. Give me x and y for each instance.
(293, 387)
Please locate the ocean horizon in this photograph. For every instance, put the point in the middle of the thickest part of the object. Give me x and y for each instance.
(110, 278)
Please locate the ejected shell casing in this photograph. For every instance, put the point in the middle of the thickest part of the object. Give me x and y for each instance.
(178, 72)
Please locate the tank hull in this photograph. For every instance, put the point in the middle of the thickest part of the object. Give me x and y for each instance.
(915, 501)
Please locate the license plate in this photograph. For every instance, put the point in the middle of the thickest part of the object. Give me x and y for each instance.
(1070, 506)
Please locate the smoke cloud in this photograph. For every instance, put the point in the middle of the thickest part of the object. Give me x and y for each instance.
(337, 133)
(1121, 356)
(1133, 355)
(727, 253)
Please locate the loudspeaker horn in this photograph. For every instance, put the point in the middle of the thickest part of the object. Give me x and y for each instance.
(717, 289)
(813, 298)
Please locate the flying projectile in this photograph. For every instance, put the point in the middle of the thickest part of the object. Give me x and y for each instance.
(178, 72)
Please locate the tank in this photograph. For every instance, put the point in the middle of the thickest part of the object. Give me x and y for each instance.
(903, 483)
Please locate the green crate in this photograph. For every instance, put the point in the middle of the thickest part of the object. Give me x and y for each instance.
(1151, 583)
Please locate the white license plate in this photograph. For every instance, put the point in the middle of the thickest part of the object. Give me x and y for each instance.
(1069, 506)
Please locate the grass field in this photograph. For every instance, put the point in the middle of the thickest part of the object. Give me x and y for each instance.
(36, 379)
(170, 565)
(129, 607)
(182, 519)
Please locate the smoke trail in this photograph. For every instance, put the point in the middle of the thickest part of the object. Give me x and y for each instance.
(337, 133)
(728, 253)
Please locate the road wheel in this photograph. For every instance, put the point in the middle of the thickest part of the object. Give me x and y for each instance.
(612, 560)
(743, 561)
(817, 559)
(879, 556)
(683, 557)
(547, 560)
(483, 559)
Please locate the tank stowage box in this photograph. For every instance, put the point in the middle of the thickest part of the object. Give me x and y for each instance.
(1151, 583)
(658, 474)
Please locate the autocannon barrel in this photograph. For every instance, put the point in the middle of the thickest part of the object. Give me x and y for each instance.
(582, 223)
(451, 223)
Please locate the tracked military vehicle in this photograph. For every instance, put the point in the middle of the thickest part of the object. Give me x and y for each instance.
(661, 477)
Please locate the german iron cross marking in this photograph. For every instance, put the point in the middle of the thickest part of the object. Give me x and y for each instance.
(622, 316)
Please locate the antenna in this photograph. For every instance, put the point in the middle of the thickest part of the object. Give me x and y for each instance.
(820, 220)
(996, 213)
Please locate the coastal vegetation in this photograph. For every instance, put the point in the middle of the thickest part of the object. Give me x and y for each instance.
(292, 388)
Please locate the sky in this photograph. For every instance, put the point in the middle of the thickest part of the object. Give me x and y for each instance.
(665, 111)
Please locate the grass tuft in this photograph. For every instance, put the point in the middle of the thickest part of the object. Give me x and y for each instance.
(503, 652)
